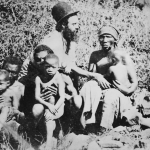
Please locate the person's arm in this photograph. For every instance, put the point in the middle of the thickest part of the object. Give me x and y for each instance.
(24, 68)
(97, 76)
(15, 101)
(61, 91)
(18, 92)
(92, 63)
(132, 77)
(82, 72)
(38, 95)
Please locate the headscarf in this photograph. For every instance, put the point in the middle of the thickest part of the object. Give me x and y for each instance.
(109, 30)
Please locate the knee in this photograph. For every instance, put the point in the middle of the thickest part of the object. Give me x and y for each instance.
(78, 101)
(72, 89)
(111, 95)
(37, 109)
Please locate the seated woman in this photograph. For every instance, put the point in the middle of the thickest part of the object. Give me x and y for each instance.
(113, 98)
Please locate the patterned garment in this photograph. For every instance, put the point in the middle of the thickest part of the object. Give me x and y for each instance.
(52, 88)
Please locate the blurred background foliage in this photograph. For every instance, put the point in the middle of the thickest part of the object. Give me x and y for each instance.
(23, 23)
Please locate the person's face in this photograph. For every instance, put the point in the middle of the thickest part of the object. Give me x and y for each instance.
(72, 28)
(13, 71)
(3, 84)
(73, 23)
(51, 66)
(39, 57)
(107, 41)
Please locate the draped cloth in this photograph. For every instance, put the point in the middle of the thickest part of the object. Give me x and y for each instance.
(90, 93)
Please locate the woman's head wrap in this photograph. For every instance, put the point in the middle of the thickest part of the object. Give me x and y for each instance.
(109, 30)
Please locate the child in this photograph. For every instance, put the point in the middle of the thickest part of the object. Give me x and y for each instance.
(51, 80)
(118, 73)
(8, 104)
(118, 70)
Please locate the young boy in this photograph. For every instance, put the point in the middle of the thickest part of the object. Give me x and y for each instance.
(51, 80)
(118, 70)
(8, 103)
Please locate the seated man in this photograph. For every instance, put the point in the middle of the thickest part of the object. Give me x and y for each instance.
(13, 65)
(9, 104)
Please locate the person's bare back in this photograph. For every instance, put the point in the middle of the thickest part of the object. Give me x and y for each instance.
(119, 73)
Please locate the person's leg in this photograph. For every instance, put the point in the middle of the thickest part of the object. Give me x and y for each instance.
(50, 126)
(110, 107)
(96, 95)
(91, 94)
(38, 111)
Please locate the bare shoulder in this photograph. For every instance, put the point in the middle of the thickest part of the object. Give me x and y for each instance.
(96, 53)
(59, 78)
(51, 40)
(125, 53)
(96, 56)
(38, 80)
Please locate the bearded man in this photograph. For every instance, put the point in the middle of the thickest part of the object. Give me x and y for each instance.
(63, 41)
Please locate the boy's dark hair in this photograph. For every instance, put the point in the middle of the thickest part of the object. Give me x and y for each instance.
(113, 59)
(49, 56)
(5, 73)
(14, 60)
(41, 48)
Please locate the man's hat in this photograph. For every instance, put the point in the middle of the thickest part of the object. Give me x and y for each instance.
(61, 11)
(109, 30)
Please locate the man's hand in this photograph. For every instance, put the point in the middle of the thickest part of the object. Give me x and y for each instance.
(121, 87)
(1, 99)
(68, 69)
(102, 81)
(46, 94)
(52, 109)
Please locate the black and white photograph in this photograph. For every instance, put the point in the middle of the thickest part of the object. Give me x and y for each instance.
(74, 75)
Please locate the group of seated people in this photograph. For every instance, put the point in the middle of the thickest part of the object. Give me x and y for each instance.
(33, 91)
(42, 91)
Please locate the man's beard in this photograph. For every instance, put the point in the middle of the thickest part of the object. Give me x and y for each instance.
(71, 36)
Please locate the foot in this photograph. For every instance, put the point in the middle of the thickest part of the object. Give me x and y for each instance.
(134, 121)
(101, 130)
(91, 120)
